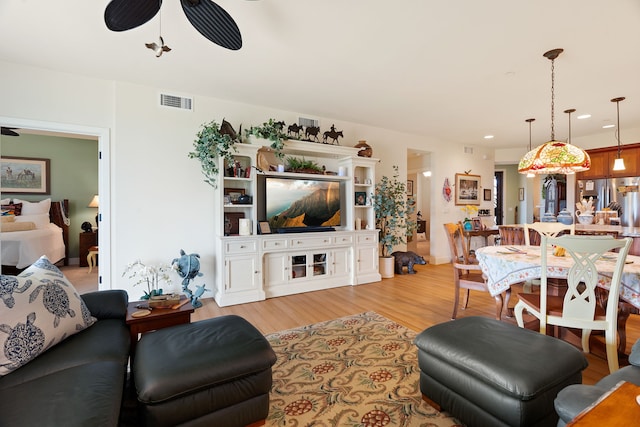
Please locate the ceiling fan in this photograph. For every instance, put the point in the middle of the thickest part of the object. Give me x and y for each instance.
(8, 131)
(207, 17)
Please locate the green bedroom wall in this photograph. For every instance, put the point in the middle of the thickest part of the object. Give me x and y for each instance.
(74, 174)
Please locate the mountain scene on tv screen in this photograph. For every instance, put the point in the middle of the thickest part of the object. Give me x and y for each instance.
(303, 204)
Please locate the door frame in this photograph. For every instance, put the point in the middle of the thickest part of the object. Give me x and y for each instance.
(104, 182)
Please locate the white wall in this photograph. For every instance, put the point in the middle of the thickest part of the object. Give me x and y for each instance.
(159, 202)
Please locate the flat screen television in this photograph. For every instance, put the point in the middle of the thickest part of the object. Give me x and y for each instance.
(289, 202)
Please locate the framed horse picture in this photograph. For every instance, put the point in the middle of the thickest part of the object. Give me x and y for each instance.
(25, 175)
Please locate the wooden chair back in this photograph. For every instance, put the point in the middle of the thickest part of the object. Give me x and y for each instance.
(466, 273)
(549, 229)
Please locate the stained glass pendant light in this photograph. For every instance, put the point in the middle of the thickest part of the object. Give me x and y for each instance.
(618, 163)
(554, 156)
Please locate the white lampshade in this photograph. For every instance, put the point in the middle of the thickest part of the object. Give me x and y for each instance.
(618, 164)
(94, 202)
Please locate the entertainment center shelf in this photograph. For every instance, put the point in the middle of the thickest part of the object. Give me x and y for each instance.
(252, 265)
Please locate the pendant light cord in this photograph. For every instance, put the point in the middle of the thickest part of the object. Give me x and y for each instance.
(553, 137)
(618, 126)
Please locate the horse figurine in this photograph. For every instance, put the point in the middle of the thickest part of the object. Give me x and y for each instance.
(312, 131)
(294, 130)
(227, 129)
(333, 134)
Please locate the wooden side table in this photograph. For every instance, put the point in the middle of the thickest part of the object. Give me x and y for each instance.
(618, 407)
(158, 319)
(85, 241)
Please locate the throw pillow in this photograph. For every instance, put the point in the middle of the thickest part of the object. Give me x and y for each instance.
(40, 220)
(7, 218)
(8, 227)
(39, 308)
(12, 209)
(34, 208)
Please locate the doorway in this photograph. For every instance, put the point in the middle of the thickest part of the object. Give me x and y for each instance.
(104, 189)
(498, 199)
(419, 177)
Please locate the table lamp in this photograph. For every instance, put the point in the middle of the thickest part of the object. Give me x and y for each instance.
(94, 204)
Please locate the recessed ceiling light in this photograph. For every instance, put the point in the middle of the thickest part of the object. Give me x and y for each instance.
(488, 137)
(426, 174)
(608, 126)
(583, 116)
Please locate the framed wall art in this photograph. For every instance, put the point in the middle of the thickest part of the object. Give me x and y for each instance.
(467, 189)
(410, 187)
(487, 194)
(521, 194)
(25, 175)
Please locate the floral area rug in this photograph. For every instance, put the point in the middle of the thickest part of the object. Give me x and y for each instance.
(356, 371)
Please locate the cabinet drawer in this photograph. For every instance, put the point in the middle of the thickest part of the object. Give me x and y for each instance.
(310, 242)
(339, 240)
(241, 247)
(274, 244)
(368, 238)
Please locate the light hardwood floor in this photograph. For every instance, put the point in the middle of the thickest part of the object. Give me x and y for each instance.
(415, 301)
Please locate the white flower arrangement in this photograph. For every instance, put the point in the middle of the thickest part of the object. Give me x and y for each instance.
(152, 275)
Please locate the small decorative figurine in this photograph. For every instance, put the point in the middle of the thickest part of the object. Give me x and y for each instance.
(333, 134)
(294, 130)
(188, 267)
(312, 131)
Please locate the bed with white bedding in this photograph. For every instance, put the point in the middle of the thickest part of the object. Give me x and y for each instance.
(20, 249)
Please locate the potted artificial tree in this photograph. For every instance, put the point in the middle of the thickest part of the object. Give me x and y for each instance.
(393, 210)
(209, 145)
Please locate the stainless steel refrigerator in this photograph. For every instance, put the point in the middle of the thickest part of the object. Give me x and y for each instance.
(623, 191)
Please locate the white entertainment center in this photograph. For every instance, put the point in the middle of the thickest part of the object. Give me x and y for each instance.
(252, 267)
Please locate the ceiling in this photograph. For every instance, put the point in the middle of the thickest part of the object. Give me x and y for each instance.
(454, 70)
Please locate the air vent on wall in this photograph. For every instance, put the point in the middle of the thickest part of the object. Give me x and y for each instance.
(303, 121)
(173, 101)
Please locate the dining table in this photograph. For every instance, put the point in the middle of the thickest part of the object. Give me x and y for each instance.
(480, 232)
(504, 266)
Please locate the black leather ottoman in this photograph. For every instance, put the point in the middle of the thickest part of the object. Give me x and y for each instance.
(489, 373)
(215, 372)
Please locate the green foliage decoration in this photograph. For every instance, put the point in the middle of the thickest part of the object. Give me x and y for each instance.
(273, 131)
(209, 146)
(393, 210)
(296, 164)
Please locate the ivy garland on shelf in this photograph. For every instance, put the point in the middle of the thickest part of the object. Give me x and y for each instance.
(273, 131)
(209, 145)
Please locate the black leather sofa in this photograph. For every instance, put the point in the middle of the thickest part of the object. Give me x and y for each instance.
(575, 398)
(78, 382)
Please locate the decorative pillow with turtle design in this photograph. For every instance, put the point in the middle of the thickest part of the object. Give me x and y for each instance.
(38, 309)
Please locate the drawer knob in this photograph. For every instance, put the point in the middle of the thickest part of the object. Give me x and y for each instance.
(242, 246)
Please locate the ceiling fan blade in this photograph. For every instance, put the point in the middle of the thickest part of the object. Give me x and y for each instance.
(122, 15)
(8, 131)
(213, 22)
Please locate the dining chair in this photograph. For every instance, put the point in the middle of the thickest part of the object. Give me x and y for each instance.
(549, 229)
(579, 307)
(467, 274)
